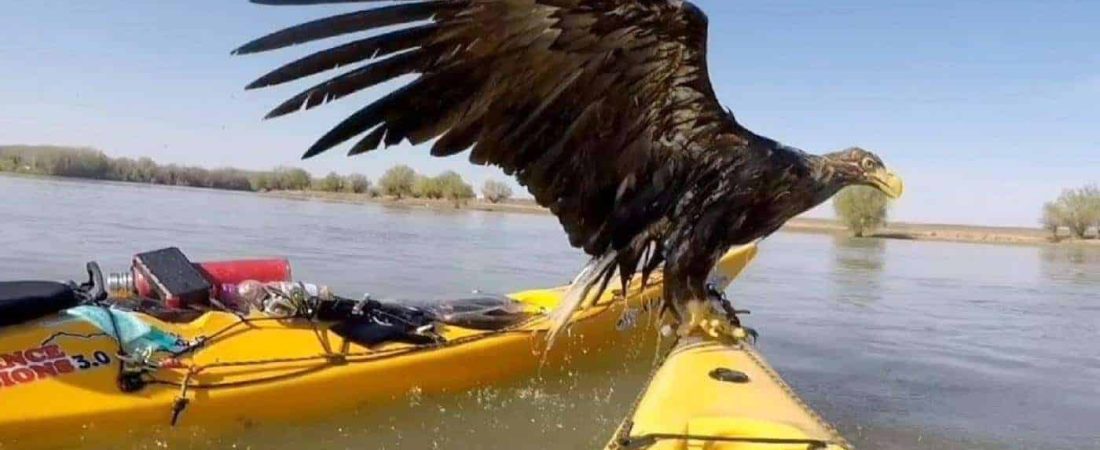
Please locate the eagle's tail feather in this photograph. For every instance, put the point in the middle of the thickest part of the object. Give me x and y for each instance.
(599, 270)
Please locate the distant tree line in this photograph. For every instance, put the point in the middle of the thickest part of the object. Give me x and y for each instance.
(399, 182)
(334, 182)
(1077, 210)
(402, 181)
(94, 164)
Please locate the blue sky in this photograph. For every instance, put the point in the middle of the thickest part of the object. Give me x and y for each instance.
(987, 109)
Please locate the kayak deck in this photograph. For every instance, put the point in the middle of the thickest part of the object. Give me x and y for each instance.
(722, 397)
(63, 372)
(262, 370)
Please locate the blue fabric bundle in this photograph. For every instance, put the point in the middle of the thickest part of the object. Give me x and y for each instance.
(136, 336)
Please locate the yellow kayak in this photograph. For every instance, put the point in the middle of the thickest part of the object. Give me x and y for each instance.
(59, 376)
(716, 396)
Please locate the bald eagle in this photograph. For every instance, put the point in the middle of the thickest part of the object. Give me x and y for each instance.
(603, 109)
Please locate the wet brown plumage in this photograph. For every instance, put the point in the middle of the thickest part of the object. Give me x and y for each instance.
(603, 109)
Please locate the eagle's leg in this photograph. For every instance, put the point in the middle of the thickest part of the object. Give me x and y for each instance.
(711, 316)
(733, 313)
(723, 303)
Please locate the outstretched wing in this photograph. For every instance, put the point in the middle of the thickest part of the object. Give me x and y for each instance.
(603, 109)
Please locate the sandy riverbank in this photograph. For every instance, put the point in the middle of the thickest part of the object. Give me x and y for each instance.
(944, 232)
(911, 231)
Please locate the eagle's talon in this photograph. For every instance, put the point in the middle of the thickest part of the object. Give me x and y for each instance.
(704, 320)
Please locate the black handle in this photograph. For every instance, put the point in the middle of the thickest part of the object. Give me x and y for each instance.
(97, 290)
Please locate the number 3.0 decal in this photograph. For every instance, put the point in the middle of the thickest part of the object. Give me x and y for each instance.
(98, 359)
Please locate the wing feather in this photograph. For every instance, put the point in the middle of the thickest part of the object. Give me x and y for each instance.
(352, 22)
(350, 53)
(354, 81)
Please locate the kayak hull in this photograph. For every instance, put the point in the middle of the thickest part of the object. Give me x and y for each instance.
(271, 370)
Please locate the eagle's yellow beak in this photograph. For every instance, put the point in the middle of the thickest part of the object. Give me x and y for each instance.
(887, 182)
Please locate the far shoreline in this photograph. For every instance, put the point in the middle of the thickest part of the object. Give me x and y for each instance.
(899, 230)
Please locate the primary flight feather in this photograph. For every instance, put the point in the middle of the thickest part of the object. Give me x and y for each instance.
(603, 109)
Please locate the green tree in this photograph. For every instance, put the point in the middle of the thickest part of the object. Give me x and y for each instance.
(261, 182)
(454, 187)
(1053, 218)
(230, 179)
(193, 177)
(145, 171)
(332, 182)
(165, 175)
(79, 163)
(10, 162)
(1080, 209)
(298, 179)
(862, 209)
(427, 187)
(357, 183)
(398, 181)
(496, 191)
(122, 169)
(291, 179)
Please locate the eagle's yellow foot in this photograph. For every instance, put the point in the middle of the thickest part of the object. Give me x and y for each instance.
(704, 320)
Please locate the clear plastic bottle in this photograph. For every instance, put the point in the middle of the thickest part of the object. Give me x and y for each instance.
(278, 298)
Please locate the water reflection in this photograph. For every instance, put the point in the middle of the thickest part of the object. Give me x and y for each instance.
(1070, 263)
(857, 268)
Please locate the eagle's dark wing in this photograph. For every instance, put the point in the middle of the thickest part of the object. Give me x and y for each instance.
(602, 108)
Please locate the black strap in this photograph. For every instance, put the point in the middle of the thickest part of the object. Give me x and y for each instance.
(648, 440)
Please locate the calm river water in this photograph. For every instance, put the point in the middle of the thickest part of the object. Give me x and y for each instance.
(901, 344)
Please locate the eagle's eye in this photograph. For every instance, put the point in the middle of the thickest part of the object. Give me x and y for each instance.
(868, 164)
